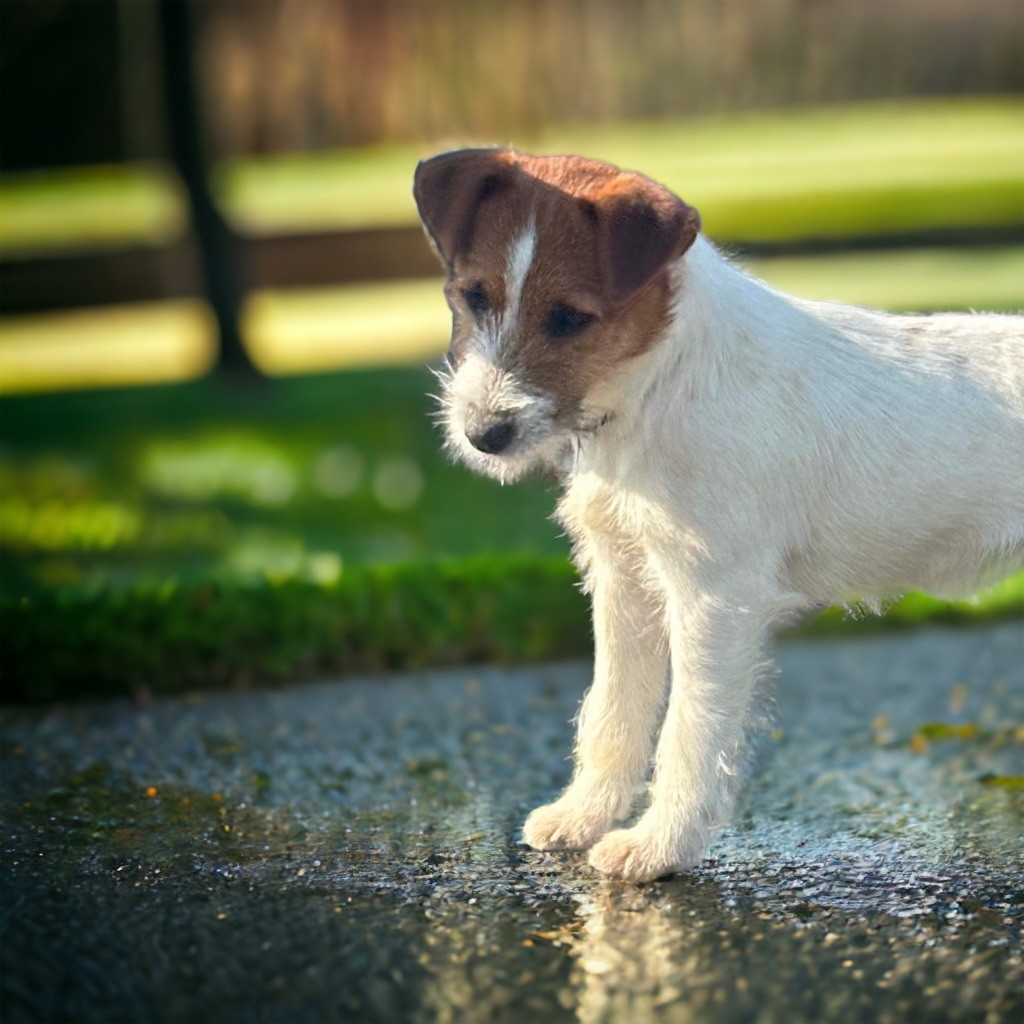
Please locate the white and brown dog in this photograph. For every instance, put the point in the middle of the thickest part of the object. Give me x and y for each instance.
(730, 456)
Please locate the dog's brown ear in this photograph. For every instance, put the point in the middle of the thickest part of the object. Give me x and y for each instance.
(641, 228)
(449, 190)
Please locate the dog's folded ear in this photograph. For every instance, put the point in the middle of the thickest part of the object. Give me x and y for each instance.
(449, 189)
(641, 229)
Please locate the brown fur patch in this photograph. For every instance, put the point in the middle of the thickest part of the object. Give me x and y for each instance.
(605, 238)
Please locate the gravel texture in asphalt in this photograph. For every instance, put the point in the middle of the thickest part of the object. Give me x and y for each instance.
(349, 851)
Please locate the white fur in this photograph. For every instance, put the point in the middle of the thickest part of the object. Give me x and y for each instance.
(767, 456)
(517, 268)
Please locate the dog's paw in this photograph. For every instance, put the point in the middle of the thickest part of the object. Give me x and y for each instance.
(640, 854)
(565, 825)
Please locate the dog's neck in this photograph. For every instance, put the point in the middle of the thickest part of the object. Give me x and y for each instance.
(716, 313)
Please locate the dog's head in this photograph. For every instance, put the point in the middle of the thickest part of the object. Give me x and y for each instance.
(557, 274)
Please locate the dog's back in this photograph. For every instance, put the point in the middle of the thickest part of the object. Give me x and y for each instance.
(923, 418)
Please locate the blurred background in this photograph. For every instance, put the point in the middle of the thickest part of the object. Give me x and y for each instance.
(217, 305)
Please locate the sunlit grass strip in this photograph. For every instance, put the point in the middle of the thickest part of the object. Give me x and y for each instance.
(921, 280)
(114, 345)
(90, 207)
(496, 609)
(407, 322)
(370, 325)
(846, 171)
(838, 171)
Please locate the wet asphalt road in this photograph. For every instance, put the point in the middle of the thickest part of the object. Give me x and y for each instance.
(348, 851)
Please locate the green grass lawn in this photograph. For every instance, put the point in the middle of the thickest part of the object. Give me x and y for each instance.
(199, 535)
(840, 171)
(152, 520)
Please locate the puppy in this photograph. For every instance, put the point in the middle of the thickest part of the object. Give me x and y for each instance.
(730, 456)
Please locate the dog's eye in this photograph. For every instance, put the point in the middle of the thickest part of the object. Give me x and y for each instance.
(563, 321)
(476, 299)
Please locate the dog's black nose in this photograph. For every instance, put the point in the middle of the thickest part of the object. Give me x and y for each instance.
(496, 438)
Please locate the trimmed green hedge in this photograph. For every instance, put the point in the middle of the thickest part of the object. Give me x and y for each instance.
(497, 609)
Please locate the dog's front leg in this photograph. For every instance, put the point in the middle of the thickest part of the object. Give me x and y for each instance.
(618, 721)
(716, 641)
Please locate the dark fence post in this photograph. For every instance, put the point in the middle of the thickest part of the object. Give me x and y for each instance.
(219, 250)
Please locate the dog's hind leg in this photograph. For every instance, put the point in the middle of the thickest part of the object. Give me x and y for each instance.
(618, 720)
